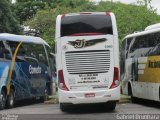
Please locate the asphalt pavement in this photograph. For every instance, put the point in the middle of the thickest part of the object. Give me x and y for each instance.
(48, 111)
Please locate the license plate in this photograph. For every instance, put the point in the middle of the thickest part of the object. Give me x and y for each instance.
(88, 95)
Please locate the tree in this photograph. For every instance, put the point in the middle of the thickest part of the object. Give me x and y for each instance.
(8, 22)
(44, 23)
(130, 18)
(146, 3)
(44, 20)
(26, 9)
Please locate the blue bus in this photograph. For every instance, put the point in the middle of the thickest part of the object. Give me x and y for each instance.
(25, 68)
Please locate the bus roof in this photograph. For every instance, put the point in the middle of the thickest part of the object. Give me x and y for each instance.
(136, 34)
(154, 26)
(23, 38)
(87, 13)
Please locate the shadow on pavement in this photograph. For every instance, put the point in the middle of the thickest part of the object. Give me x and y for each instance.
(148, 103)
(22, 103)
(92, 108)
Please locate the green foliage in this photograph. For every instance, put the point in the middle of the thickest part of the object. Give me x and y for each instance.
(26, 9)
(8, 22)
(130, 18)
(44, 23)
(44, 20)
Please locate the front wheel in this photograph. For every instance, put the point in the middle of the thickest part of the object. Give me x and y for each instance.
(3, 100)
(130, 93)
(11, 99)
(133, 99)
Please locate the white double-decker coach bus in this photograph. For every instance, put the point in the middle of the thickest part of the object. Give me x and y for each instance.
(140, 64)
(87, 58)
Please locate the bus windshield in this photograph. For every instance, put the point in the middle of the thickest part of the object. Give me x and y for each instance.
(81, 25)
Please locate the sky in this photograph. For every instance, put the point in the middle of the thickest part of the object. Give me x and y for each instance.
(154, 3)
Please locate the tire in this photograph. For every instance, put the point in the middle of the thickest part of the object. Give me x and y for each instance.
(133, 99)
(3, 100)
(111, 105)
(63, 107)
(10, 99)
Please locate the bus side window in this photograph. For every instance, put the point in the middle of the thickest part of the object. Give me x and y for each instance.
(2, 48)
(128, 41)
(29, 52)
(42, 55)
(131, 46)
(51, 59)
(20, 53)
(123, 56)
(6, 51)
(155, 46)
(37, 52)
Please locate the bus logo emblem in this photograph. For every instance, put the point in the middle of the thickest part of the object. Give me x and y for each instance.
(85, 43)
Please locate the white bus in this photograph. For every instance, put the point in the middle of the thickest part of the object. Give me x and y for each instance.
(87, 58)
(140, 64)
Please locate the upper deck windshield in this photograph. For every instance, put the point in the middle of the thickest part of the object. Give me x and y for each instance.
(81, 25)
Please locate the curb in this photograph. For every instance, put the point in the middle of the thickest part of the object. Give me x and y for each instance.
(124, 101)
(52, 101)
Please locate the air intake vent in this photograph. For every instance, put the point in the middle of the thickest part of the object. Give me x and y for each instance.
(83, 62)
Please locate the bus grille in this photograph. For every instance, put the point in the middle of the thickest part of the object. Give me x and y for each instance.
(84, 62)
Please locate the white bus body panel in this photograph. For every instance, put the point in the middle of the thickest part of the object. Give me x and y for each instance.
(77, 90)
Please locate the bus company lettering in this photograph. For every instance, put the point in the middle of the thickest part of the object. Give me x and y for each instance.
(154, 64)
(34, 70)
(85, 43)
